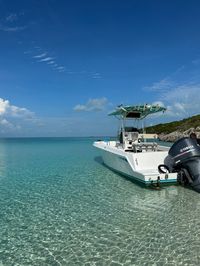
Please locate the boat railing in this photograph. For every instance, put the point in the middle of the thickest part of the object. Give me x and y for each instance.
(145, 146)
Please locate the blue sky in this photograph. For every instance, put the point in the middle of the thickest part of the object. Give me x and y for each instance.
(65, 64)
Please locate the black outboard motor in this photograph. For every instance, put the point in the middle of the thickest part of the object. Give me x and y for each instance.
(185, 154)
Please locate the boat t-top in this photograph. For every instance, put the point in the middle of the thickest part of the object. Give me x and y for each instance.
(138, 155)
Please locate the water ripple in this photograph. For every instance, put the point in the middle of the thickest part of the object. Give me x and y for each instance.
(58, 207)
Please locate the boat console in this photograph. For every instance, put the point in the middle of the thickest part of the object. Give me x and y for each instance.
(132, 141)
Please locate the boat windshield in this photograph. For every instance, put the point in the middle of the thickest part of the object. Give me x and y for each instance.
(131, 129)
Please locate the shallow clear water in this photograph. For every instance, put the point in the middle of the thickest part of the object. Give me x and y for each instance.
(60, 206)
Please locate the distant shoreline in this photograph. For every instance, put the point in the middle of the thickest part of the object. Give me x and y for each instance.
(173, 136)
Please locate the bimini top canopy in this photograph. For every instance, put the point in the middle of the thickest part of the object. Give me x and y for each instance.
(137, 111)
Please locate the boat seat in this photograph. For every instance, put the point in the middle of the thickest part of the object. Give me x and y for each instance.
(131, 136)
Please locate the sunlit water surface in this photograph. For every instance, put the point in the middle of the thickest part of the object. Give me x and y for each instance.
(60, 206)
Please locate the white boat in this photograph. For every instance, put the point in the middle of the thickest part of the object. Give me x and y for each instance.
(137, 155)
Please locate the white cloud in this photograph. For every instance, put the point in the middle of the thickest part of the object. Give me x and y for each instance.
(51, 62)
(12, 29)
(46, 59)
(60, 68)
(5, 123)
(160, 86)
(180, 106)
(44, 56)
(182, 101)
(40, 55)
(96, 75)
(11, 23)
(12, 17)
(181, 98)
(7, 109)
(97, 104)
(13, 118)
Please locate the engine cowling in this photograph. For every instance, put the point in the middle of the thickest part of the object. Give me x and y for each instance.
(185, 154)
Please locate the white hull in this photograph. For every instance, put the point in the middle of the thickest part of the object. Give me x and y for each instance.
(142, 166)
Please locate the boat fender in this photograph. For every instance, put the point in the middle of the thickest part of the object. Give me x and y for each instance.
(163, 169)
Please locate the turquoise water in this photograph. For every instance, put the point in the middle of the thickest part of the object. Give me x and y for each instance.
(60, 206)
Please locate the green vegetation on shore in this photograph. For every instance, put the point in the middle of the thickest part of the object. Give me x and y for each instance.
(182, 125)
